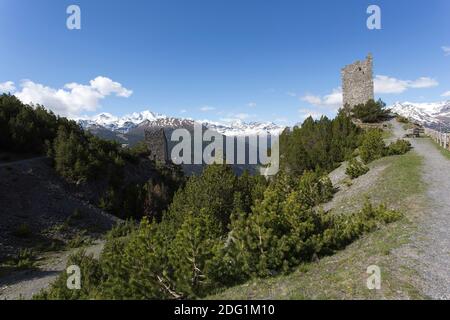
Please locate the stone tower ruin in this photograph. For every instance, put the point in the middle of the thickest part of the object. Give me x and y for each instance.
(157, 144)
(357, 82)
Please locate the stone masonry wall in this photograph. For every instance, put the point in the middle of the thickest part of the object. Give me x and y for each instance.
(157, 144)
(357, 82)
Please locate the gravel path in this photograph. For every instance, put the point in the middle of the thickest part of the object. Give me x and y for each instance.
(429, 250)
(25, 284)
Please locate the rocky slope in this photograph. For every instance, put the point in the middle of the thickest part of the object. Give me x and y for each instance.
(39, 210)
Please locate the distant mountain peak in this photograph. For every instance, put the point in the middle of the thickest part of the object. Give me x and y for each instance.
(239, 127)
(429, 114)
(147, 118)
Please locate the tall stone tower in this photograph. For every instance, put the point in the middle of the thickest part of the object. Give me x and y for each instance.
(157, 145)
(357, 82)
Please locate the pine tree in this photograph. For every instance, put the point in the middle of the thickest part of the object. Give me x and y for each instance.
(191, 250)
(212, 192)
(372, 146)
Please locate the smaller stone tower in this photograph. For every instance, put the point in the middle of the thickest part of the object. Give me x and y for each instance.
(157, 145)
(357, 82)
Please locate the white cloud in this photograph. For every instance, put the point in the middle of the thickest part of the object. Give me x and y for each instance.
(446, 94)
(251, 104)
(446, 50)
(385, 84)
(332, 100)
(106, 87)
(306, 113)
(73, 98)
(207, 108)
(311, 99)
(182, 111)
(423, 82)
(291, 94)
(7, 87)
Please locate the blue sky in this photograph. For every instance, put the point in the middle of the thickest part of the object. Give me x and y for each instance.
(219, 59)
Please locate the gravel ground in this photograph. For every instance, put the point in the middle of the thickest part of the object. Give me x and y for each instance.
(34, 196)
(340, 202)
(429, 250)
(31, 194)
(25, 284)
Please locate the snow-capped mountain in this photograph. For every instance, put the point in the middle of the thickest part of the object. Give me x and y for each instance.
(123, 124)
(146, 119)
(433, 115)
(240, 128)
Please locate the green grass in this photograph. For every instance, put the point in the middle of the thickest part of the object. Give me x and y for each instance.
(24, 260)
(343, 275)
(400, 180)
(79, 240)
(444, 152)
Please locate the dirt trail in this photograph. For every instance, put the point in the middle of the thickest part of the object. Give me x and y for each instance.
(429, 249)
(25, 284)
(9, 163)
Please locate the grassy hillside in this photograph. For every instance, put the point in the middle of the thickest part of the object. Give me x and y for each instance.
(343, 275)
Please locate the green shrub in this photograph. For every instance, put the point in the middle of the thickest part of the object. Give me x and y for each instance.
(402, 119)
(190, 252)
(25, 259)
(159, 261)
(91, 278)
(214, 190)
(274, 238)
(280, 235)
(137, 267)
(79, 240)
(356, 168)
(339, 231)
(314, 189)
(399, 147)
(123, 229)
(372, 146)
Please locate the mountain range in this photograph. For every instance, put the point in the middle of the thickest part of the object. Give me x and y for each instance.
(130, 129)
(433, 115)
